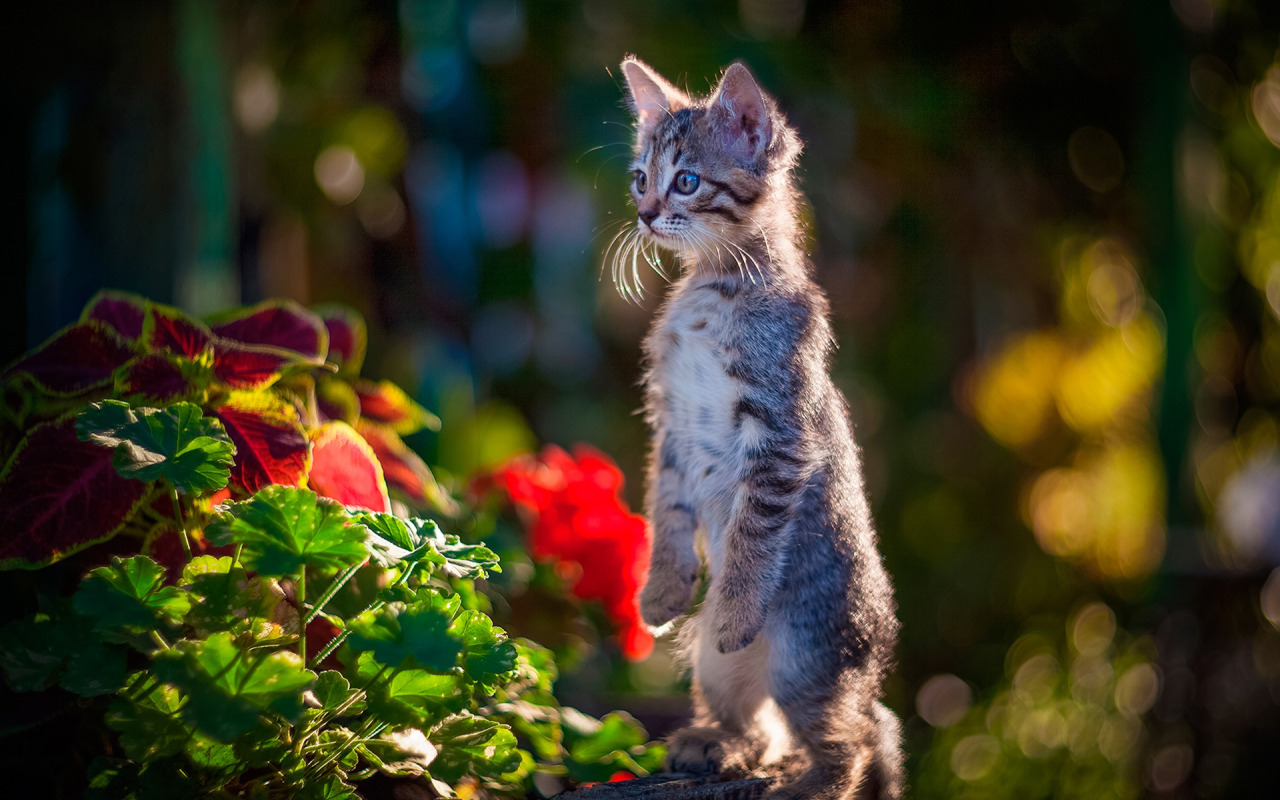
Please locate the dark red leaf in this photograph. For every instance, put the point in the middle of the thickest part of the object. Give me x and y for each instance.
(75, 360)
(403, 469)
(344, 468)
(59, 495)
(122, 311)
(271, 446)
(389, 404)
(169, 329)
(154, 377)
(244, 366)
(276, 323)
(348, 336)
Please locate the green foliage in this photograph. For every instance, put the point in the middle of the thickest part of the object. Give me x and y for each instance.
(228, 694)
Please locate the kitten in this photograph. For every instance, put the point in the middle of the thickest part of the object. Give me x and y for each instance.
(752, 447)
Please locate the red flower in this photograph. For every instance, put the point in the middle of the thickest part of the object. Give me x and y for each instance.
(577, 520)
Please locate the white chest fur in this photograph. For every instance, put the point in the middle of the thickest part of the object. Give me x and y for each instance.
(693, 351)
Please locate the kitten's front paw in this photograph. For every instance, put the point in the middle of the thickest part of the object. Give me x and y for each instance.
(667, 595)
(698, 751)
(730, 638)
(735, 624)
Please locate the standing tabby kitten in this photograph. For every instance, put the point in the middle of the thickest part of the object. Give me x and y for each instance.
(752, 447)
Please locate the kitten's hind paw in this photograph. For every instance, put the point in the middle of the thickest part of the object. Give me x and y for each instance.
(704, 751)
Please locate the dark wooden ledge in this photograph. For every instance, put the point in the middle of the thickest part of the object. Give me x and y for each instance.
(674, 787)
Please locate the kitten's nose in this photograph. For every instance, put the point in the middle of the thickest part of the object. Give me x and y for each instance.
(648, 215)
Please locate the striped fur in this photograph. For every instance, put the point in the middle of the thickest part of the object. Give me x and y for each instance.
(754, 462)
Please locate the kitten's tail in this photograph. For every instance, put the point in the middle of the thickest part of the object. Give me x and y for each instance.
(889, 772)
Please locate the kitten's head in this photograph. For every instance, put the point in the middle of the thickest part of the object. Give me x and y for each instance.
(709, 174)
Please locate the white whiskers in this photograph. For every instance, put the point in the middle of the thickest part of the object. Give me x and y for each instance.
(626, 252)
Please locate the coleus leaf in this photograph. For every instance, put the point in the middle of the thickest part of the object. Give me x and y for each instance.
(167, 328)
(124, 312)
(161, 378)
(129, 595)
(473, 746)
(271, 445)
(59, 495)
(76, 360)
(344, 468)
(387, 403)
(416, 634)
(348, 337)
(336, 399)
(403, 469)
(281, 324)
(230, 688)
(283, 529)
(177, 443)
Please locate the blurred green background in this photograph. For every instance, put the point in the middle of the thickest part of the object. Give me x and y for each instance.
(1050, 233)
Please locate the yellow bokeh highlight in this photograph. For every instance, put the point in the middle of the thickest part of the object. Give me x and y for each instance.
(1014, 395)
(1110, 375)
(1260, 240)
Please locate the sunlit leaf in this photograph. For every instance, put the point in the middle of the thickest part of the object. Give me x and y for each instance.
(416, 697)
(167, 328)
(387, 403)
(486, 654)
(336, 399)
(283, 529)
(403, 469)
(160, 378)
(58, 495)
(344, 468)
(150, 726)
(271, 445)
(177, 443)
(331, 689)
(395, 541)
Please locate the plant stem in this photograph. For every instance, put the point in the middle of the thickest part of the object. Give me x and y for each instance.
(302, 605)
(158, 639)
(337, 585)
(182, 523)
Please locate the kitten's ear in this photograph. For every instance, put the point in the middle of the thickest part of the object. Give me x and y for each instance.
(741, 115)
(650, 96)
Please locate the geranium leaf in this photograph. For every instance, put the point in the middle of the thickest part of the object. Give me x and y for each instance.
(122, 311)
(176, 443)
(226, 597)
(393, 541)
(58, 495)
(34, 652)
(473, 746)
(230, 688)
(129, 595)
(344, 468)
(283, 529)
(329, 787)
(271, 445)
(416, 697)
(348, 337)
(277, 323)
(417, 633)
(74, 361)
(150, 726)
(331, 689)
(389, 404)
(486, 653)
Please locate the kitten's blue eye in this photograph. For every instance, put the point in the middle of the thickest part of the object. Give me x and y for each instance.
(642, 181)
(687, 182)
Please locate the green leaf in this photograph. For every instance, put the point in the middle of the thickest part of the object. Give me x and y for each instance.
(129, 595)
(393, 541)
(111, 779)
(229, 688)
(473, 746)
(31, 651)
(151, 726)
(330, 787)
(176, 443)
(37, 651)
(416, 697)
(225, 597)
(418, 631)
(211, 755)
(331, 689)
(486, 652)
(283, 529)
